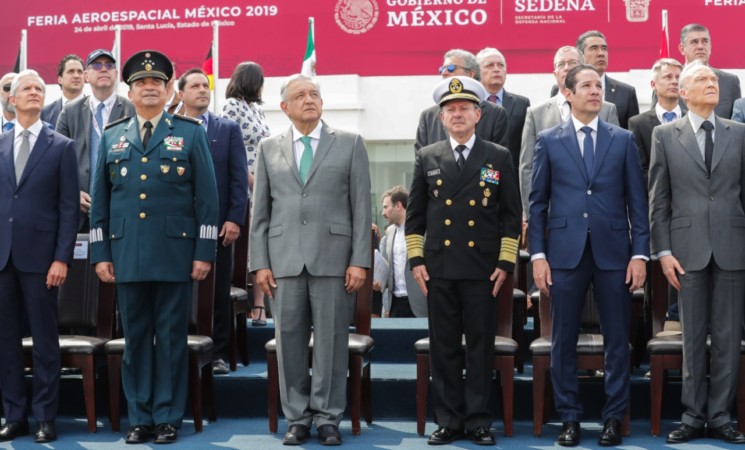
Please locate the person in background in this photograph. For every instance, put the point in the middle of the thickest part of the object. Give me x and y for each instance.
(71, 79)
(242, 101)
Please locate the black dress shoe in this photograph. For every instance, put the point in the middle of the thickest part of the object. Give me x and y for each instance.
(220, 367)
(45, 433)
(727, 434)
(138, 434)
(329, 434)
(481, 436)
(297, 434)
(444, 436)
(611, 435)
(569, 436)
(165, 433)
(12, 430)
(684, 433)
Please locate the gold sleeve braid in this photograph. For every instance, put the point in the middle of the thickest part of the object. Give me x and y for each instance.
(509, 249)
(414, 246)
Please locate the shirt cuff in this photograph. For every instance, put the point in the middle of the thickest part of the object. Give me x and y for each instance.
(537, 256)
(645, 258)
(664, 253)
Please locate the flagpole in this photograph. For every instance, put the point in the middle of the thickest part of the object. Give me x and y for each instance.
(667, 34)
(117, 51)
(24, 50)
(215, 63)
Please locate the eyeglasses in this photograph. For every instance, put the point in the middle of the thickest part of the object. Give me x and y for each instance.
(99, 66)
(569, 64)
(6, 88)
(450, 68)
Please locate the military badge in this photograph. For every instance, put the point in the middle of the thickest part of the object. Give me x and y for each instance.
(180, 170)
(489, 166)
(123, 171)
(165, 168)
(120, 146)
(485, 201)
(487, 192)
(174, 143)
(168, 121)
(436, 193)
(489, 175)
(455, 86)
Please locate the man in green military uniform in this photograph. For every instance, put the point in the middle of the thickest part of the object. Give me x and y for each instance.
(153, 230)
(464, 197)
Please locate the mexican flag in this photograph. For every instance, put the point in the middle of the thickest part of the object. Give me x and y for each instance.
(309, 63)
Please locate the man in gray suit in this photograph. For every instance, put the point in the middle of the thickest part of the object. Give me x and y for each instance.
(492, 125)
(84, 119)
(697, 210)
(70, 77)
(551, 113)
(402, 298)
(310, 249)
(695, 44)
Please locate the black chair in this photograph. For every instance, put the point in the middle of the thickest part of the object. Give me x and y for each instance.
(85, 305)
(360, 347)
(505, 349)
(200, 358)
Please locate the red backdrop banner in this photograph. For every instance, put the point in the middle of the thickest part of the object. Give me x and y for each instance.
(365, 37)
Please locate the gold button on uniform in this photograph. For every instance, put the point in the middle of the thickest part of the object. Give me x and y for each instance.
(116, 161)
(439, 182)
(174, 159)
(448, 202)
(144, 159)
(471, 243)
(142, 215)
(471, 223)
(472, 202)
(447, 222)
(143, 177)
(482, 184)
(183, 234)
(143, 196)
(447, 242)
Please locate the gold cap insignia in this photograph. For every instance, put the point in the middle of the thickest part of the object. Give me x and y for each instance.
(455, 86)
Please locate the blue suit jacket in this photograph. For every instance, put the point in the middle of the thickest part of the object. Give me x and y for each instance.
(231, 169)
(50, 113)
(567, 206)
(39, 215)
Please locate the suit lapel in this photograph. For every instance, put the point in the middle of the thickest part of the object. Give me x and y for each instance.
(604, 140)
(324, 145)
(554, 111)
(85, 119)
(132, 135)
(212, 126)
(721, 142)
(508, 103)
(116, 111)
(446, 161)
(37, 152)
(568, 137)
(286, 147)
(610, 90)
(687, 140)
(474, 162)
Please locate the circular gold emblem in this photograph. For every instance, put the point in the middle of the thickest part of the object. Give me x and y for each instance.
(455, 86)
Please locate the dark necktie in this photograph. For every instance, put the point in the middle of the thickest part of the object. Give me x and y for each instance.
(708, 144)
(148, 134)
(669, 116)
(23, 153)
(588, 150)
(461, 161)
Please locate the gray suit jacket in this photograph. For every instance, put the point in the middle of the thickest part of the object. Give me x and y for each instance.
(693, 214)
(75, 122)
(542, 117)
(417, 299)
(492, 126)
(729, 91)
(51, 112)
(324, 225)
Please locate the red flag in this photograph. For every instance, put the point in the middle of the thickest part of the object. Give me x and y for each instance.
(664, 41)
(207, 68)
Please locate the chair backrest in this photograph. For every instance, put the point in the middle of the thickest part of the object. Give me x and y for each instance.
(202, 305)
(363, 303)
(83, 302)
(505, 303)
(660, 300)
(240, 255)
(544, 312)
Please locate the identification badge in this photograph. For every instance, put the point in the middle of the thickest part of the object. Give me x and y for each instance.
(432, 173)
(489, 175)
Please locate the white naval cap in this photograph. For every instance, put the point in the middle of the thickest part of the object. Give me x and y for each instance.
(459, 88)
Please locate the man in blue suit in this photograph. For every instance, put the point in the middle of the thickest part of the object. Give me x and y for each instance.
(38, 225)
(229, 158)
(588, 224)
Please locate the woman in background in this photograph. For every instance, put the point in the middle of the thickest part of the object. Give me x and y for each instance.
(242, 100)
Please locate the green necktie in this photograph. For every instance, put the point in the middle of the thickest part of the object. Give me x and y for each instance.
(306, 160)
